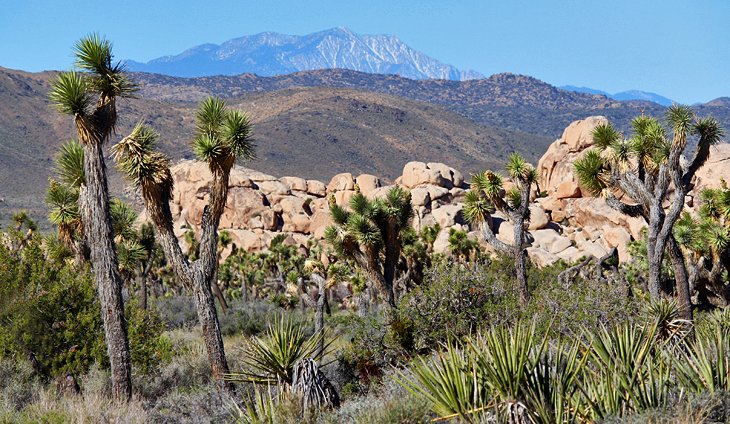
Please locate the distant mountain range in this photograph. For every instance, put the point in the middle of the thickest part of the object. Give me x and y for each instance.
(270, 53)
(624, 95)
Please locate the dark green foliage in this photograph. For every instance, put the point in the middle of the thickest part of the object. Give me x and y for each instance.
(50, 316)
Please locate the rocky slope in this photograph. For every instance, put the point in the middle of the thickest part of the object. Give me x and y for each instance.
(565, 224)
(311, 132)
(270, 53)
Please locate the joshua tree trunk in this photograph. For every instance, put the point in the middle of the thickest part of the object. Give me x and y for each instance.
(319, 316)
(519, 254)
(219, 294)
(211, 329)
(197, 275)
(94, 205)
(142, 274)
(681, 278)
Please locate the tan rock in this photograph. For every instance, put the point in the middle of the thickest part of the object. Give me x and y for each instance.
(420, 196)
(541, 257)
(242, 203)
(342, 198)
(619, 238)
(437, 193)
(320, 220)
(448, 215)
(296, 223)
(294, 183)
(258, 177)
(342, 181)
(275, 187)
(457, 195)
(247, 240)
(556, 165)
(269, 219)
(441, 244)
(418, 173)
(570, 255)
(538, 218)
(567, 190)
(316, 188)
(367, 183)
(290, 204)
(550, 241)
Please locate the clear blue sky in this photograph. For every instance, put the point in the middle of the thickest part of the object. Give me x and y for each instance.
(680, 49)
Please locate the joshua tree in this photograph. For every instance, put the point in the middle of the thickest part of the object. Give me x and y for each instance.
(487, 194)
(371, 233)
(222, 137)
(90, 97)
(461, 246)
(706, 239)
(643, 168)
(63, 199)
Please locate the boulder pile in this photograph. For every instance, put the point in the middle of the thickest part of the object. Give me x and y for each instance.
(566, 223)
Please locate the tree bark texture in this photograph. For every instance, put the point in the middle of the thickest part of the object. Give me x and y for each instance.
(94, 200)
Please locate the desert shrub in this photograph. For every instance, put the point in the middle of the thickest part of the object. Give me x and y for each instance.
(148, 345)
(187, 369)
(457, 299)
(19, 386)
(202, 404)
(250, 318)
(176, 311)
(49, 314)
(385, 403)
(582, 304)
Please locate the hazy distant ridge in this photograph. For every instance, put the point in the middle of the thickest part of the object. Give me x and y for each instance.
(624, 95)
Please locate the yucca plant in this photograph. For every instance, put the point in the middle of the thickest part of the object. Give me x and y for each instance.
(551, 389)
(505, 358)
(706, 240)
(705, 364)
(450, 382)
(487, 194)
(272, 357)
(625, 372)
(643, 168)
(665, 316)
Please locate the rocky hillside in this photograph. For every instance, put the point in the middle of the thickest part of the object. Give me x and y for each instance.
(508, 101)
(270, 53)
(311, 132)
(565, 224)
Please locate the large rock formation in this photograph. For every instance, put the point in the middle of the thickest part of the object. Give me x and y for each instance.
(566, 222)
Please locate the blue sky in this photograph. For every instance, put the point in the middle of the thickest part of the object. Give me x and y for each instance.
(680, 49)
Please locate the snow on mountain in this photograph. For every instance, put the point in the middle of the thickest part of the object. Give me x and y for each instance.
(270, 53)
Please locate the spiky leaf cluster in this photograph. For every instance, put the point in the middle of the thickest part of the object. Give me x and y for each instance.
(222, 135)
(73, 91)
(137, 158)
(487, 193)
(365, 225)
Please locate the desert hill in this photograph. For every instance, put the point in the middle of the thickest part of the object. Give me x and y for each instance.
(313, 132)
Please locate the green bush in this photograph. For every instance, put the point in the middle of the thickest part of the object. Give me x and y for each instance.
(49, 314)
(457, 299)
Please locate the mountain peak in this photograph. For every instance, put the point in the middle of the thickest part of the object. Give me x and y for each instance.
(271, 53)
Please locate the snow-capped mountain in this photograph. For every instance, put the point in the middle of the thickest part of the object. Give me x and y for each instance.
(270, 53)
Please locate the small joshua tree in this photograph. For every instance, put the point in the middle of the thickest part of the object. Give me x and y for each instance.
(706, 239)
(644, 168)
(487, 194)
(371, 233)
(90, 97)
(222, 137)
